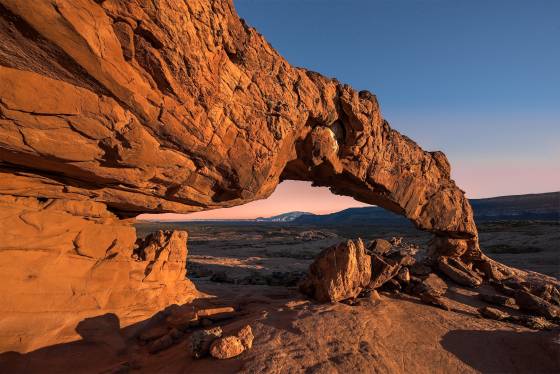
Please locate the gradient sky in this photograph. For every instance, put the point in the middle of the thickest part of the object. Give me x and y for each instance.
(478, 79)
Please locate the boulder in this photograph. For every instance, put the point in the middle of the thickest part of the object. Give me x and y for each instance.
(339, 272)
(226, 347)
(420, 269)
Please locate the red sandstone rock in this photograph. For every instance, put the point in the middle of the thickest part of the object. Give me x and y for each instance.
(113, 108)
(185, 108)
(226, 347)
(62, 261)
(246, 337)
(339, 272)
(383, 269)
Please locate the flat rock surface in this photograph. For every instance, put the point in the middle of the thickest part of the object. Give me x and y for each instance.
(293, 334)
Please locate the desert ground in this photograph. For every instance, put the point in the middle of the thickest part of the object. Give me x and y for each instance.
(248, 249)
(255, 268)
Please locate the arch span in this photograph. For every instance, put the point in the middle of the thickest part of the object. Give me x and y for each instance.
(185, 109)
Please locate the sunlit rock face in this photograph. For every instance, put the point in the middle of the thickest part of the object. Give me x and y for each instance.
(63, 260)
(142, 106)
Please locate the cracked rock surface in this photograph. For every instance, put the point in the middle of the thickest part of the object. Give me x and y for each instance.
(113, 108)
(160, 108)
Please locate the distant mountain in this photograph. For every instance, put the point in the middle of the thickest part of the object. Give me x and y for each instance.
(542, 206)
(285, 217)
(545, 206)
(355, 216)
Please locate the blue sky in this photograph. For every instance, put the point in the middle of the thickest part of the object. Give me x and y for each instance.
(479, 80)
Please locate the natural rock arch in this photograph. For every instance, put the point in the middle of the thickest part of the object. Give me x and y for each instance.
(186, 109)
(115, 108)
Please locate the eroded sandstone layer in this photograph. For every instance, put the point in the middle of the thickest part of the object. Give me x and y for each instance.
(63, 260)
(112, 108)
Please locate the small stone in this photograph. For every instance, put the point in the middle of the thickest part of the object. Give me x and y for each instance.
(374, 296)
(490, 270)
(493, 313)
(379, 246)
(396, 240)
(246, 337)
(227, 347)
(407, 260)
(500, 287)
(160, 344)
(549, 293)
(216, 314)
(202, 339)
(392, 285)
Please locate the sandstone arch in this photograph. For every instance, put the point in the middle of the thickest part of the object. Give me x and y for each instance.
(113, 108)
(187, 109)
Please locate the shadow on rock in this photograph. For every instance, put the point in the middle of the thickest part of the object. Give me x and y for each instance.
(102, 346)
(505, 351)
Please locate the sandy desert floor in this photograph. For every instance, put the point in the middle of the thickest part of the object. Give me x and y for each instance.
(255, 269)
(246, 248)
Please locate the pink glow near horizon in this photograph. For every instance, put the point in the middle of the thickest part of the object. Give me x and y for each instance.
(479, 179)
(289, 196)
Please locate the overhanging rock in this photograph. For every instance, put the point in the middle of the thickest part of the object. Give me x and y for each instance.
(151, 108)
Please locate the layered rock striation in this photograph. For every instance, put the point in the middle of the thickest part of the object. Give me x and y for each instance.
(182, 107)
(113, 108)
(63, 261)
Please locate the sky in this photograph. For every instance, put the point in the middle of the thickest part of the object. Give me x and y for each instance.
(478, 80)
